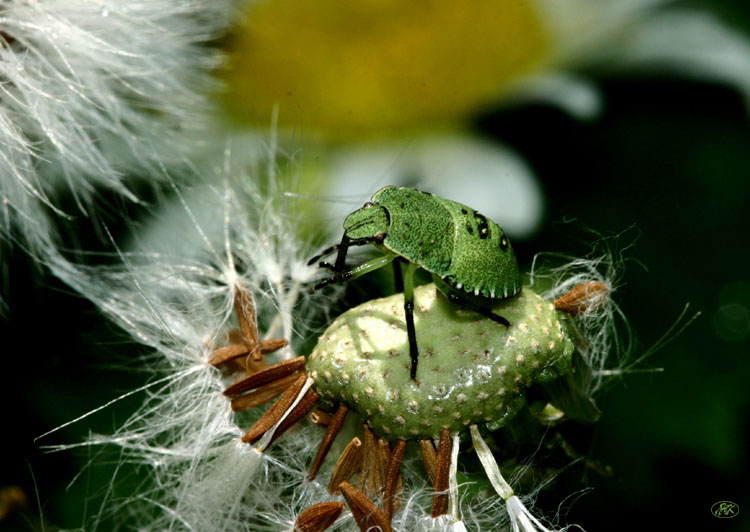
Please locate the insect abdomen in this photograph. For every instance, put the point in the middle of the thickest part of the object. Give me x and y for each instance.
(483, 263)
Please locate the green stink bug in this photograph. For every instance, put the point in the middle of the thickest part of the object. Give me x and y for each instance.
(468, 255)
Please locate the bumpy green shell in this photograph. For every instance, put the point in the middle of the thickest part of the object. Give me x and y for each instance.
(472, 370)
(458, 244)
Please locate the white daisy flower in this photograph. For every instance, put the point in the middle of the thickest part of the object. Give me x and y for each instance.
(382, 93)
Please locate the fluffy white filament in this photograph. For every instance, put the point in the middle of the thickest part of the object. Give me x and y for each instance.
(520, 517)
(178, 302)
(604, 348)
(92, 90)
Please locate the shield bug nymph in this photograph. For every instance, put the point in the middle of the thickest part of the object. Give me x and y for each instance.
(469, 256)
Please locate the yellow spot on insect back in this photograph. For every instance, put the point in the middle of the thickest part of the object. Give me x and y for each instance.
(374, 67)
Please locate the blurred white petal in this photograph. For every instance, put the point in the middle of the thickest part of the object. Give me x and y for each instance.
(691, 43)
(582, 28)
(575, 95)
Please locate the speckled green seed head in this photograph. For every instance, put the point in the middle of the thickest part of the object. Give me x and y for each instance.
(472, 370)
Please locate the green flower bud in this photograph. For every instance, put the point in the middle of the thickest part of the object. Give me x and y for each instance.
(472, 370)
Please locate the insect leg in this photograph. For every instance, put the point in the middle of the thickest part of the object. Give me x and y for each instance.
(341, 255)
(398, 281)
(398, 276)
(326, 251)
(409, 314)
(339, 249)
(348, 275)
(455, 298)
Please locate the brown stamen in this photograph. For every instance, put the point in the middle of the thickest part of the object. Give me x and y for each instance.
(227, 353)
(246, 364)
(391, 482)
(271, 373)
(346, 465)
(365, 513)
(442, 470)
(333, 429)
(320, 417)
(264, 393)
(247, 318)
(245, 342)
(298, 412)
(367, 475)
(269, 346)
(380, 469)
(241, 349)
(429, 457)
(368, 456)
(273, 414)
(583, 297)
(318, 517)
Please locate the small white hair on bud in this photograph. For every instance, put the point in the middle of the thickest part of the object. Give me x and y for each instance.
(601, 324)
(521, 519)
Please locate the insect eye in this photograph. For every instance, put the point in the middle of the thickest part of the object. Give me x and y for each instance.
(368, 204)
(503, 243)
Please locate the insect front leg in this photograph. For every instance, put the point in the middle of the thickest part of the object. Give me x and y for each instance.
(348, 275)
(341, 250)
(341, 255)
(408, 285)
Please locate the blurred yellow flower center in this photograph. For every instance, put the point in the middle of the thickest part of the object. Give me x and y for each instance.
(374, 67)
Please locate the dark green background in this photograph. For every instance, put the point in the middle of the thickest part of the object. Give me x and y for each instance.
(668, 158)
